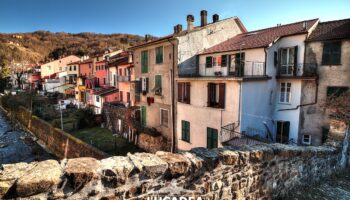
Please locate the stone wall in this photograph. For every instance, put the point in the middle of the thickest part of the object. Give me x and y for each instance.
(152, 144)
(60, 143)
(263, 171)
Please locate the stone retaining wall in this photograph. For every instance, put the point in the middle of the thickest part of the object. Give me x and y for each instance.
(263, 171)
(60, 143)
(152, 144)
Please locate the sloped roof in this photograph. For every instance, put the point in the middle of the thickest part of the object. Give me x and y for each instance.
(261, 38)
(339, 29)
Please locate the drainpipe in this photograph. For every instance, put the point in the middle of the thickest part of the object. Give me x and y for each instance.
(172, 75)
(239, 104)
(306, 104)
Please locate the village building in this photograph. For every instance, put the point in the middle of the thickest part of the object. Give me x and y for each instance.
(248, 85)
(329, 47)
(56, 66)
(158, 61)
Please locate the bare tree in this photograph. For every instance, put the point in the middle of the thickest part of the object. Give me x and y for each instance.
(17, 70)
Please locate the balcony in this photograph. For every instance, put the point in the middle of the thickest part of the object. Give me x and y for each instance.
(301, 70)
(123, 78)
(228, 133)
(246, 69)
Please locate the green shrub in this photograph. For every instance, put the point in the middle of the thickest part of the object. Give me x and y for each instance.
(84, 118)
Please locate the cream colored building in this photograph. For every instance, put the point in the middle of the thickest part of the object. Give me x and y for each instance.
(56, 66)
(158, 62)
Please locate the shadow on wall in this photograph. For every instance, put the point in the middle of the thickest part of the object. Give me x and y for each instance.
(189, 67)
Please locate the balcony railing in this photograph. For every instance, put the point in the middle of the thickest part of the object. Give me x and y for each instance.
(299, 70)
(242, 69)
(123, 78)
(228, 133)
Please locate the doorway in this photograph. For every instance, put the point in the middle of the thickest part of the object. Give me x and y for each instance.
(282, 133)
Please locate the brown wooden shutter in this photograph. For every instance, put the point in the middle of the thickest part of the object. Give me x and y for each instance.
(179, 92)
(188, 93)
(295, 60)
(222, 95)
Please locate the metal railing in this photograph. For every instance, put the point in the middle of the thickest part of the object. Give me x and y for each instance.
(123, 78)
(299, 70)
(228, 132)
(242, 69)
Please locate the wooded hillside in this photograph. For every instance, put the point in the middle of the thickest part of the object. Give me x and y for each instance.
(41, 46)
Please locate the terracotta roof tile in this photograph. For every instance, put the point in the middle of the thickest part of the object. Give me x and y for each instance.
(339, 29)
(260, 38)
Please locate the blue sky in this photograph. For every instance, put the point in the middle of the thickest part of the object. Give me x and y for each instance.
(156, 17)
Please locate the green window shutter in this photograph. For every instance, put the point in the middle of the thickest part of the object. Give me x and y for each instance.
(185, 130)
(159, 55)
(209, 61)
(144, 61)
(224, 60)
(212, 138)
(143, 116)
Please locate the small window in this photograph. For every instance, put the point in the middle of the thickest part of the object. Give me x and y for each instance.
(121, 95)
(144, 84)
(331, 53)
(164, 117)
(216, 95)
(209, 61)
(184, 92)
(158, 85)
(75, 68)
(285, 92)
(97, 99)
(185, 131)
(335, 91)
(307, 139)
(159, 55)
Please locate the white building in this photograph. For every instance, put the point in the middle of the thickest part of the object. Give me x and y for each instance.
(250, 84)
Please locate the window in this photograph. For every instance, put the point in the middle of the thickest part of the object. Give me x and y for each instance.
(144, 61)
(97, 98)
(333, 91)
(209, 61)
(144, 84)
(282, 132)
(104, 81)
(184, 92)
(224, 59)
(75, 68)
(70, 68)
(164, 117)
(159, 55)
(285, 93)
(212, 138)
(307, 139)
(120, 72)
(288, 60)
(331, 53)
(239, 63)
(185, 131)
(158, 85)
(216, 95)
(128, 97)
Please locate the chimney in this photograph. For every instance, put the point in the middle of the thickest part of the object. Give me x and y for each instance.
(190, 20)
(130, 57)
(204, 14)
(304, 25)
(177, 29)
(147, 37)
(215, 18)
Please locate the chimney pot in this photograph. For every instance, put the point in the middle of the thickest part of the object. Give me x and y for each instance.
(147, 37)
(190, 20)
(204, 15)
(177, 29)
(215, 18)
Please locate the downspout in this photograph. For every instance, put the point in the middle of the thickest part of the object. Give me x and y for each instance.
(172, 76)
